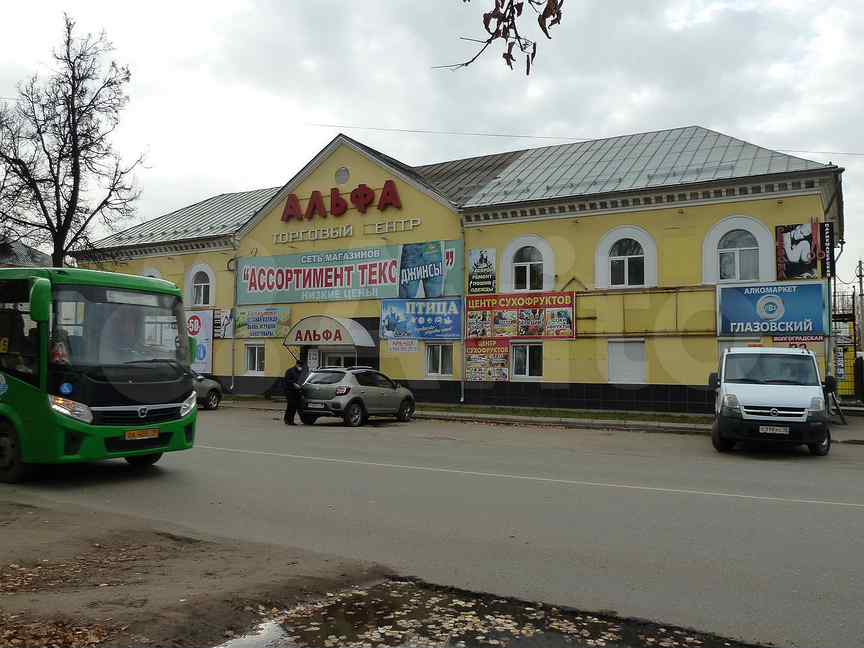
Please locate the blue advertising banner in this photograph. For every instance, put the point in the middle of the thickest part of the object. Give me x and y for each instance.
(421, 319)
(772, 309)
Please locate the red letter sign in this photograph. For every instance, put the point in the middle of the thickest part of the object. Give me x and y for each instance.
(389, 197)
(362, 197)
(292, 209)
(315, 206)
(338, 205)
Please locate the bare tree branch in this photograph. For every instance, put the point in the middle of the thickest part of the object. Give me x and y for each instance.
(59, 173)
(502, 23)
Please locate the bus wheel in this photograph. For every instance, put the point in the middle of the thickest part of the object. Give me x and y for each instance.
(12, 468)
(143, 461)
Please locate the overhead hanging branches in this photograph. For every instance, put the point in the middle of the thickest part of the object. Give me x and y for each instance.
(502, 24)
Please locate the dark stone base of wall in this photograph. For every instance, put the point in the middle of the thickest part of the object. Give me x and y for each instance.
(599, 396)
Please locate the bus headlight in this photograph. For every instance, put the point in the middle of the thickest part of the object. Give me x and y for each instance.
(70, 408)
(189, 404)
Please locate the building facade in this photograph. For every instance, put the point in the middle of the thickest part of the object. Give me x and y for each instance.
(604, 274)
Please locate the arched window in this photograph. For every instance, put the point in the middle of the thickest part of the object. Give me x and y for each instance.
(625, 257)
(627, 263)
(528, 269)
(201, 289)
(738, 256)
(738, 248)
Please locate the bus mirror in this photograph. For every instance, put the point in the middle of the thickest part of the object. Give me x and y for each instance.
(714, 381)
(40, 300)
(830, 384)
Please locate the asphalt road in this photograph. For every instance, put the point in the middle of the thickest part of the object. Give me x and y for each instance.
(759, 546)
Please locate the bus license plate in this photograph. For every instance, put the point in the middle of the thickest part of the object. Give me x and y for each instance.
(136, 435)
(773, 429)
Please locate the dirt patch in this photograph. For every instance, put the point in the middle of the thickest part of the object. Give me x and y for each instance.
(84, 578)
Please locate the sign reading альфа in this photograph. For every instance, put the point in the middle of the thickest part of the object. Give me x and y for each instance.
(772, 309)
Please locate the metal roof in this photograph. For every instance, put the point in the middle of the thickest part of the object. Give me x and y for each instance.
(656, 159)
(216, 216)
(630, 162)
(15, 253)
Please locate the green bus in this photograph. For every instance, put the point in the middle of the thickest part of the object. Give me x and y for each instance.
(93, 365)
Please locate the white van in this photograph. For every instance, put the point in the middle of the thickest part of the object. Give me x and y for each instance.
(771, 394)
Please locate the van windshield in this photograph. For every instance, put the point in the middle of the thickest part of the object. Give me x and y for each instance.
(770, 368)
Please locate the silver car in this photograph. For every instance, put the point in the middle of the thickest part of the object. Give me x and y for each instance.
(354, 394)
(208, 390)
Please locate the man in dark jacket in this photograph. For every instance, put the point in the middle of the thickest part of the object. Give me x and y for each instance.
(294, 378)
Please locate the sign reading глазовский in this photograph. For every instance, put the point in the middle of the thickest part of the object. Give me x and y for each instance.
(772, 309)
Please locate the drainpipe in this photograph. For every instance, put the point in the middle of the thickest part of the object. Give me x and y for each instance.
(231, 266)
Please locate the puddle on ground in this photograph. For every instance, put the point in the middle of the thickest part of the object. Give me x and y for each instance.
(416, 615)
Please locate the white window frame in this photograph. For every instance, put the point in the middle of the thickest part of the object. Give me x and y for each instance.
(190, 285)
(711, 253)
(508, 275)
(612, 341)
(626, 260)
(527, 378)
(603, 262)
(737, 254)
(263, 358)
(438, 349)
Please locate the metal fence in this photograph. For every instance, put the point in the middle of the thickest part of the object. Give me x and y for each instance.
(844, 345)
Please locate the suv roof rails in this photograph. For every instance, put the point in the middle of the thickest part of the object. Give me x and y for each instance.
(361, 367)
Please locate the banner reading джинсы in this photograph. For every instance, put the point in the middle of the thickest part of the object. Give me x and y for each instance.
(411, 271)
(772, 309)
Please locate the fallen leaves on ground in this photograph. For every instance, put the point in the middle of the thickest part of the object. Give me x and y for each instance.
(18, 632)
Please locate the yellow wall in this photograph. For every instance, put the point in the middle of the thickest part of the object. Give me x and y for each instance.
(678, 236)
(677, 319)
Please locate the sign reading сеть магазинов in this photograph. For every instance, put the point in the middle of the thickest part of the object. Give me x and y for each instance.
(772, 309)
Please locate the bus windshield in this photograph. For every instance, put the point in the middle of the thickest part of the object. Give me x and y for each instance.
(95, 326)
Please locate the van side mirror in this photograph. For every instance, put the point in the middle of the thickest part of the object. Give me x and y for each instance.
(830, 384)
(40, 300)
(714, 380)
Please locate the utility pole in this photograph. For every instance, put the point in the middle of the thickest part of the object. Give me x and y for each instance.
(860, 275)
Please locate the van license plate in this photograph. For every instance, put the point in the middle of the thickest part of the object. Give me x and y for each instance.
(773, 429)
(136, 435)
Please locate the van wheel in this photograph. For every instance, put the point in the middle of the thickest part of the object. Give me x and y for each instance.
(720, 444)
(406, 410)
(12, 468)
(143, 461)
(821, 449)
(355, 415)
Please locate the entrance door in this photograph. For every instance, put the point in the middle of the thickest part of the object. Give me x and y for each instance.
(340, 359)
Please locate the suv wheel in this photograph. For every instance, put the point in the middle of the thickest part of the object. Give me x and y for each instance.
(354, 415)
(406, 410)
(308, 419)
(821, 449)
(213, 400)
(12, 468)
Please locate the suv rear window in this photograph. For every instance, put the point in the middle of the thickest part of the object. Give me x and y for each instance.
(325, 377)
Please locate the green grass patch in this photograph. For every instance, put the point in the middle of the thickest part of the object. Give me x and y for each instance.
(536, 412)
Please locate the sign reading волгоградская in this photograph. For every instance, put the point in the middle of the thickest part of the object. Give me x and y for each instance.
(429, 270)
(772, 309)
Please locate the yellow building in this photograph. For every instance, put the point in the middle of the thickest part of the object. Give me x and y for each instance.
(608, 273)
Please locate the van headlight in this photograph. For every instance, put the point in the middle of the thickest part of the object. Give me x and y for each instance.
(70, 408)
(730, 406)
(816, 411)
(189, 404)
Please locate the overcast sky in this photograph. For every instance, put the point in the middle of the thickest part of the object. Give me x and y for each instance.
(224, 93)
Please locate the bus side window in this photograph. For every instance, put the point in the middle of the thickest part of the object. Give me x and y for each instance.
(19, 339)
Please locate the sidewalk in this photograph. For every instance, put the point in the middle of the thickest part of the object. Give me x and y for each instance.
(851, 433)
